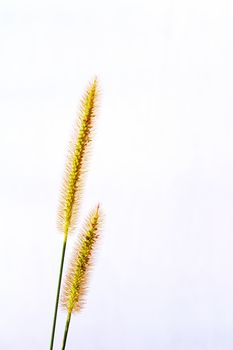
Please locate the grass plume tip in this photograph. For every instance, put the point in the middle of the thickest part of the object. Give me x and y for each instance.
(77, 156)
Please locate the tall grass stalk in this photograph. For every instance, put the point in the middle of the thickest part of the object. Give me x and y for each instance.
(74, 175)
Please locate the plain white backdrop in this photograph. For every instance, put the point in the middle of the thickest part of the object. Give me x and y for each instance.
(161, 166)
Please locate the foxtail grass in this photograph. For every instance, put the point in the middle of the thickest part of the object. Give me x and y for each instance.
(75, 284)
(71, 191)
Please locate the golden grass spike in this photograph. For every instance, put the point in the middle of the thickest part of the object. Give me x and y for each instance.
(75, 283)
(75, 167)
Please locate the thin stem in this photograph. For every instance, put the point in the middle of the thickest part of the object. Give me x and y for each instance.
(58, 291)
(66, 330)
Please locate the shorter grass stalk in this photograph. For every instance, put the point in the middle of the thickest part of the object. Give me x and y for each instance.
(66, 330)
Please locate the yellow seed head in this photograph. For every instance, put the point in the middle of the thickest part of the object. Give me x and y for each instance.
(76, 280)
(75, 167)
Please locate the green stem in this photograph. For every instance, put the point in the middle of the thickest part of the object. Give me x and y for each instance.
(66, 330)
(58, 291)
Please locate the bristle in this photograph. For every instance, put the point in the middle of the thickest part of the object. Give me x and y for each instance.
(75, 167)
(76, 280)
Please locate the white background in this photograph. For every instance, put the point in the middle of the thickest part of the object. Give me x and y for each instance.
(161, 166)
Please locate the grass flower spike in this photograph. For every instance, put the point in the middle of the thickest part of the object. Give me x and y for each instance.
(75, 167)
(73, 179)
(76, 280)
